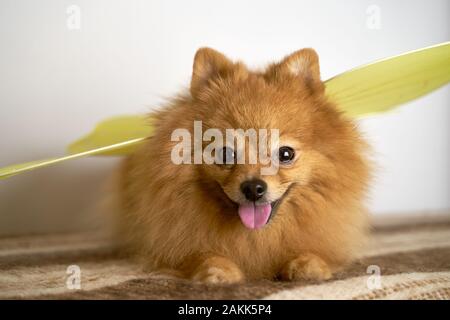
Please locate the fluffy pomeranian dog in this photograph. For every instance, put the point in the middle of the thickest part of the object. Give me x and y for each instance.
(226, 222)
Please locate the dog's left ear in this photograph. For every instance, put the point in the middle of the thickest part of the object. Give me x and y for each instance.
(303, 64)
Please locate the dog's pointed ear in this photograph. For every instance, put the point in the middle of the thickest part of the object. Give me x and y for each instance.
(208, 63)
(304, 64)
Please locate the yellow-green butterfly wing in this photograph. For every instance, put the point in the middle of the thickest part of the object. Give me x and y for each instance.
(385, 84)
(114, 131)
(111, 149)
(114, 136)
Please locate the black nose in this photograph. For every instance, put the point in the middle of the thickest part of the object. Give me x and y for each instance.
(253, 189)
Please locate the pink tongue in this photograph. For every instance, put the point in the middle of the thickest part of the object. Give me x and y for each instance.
(254, 216)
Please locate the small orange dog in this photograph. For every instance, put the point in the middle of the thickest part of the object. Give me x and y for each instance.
(225, 222)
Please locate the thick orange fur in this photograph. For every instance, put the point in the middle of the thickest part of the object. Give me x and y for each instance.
(180, 217)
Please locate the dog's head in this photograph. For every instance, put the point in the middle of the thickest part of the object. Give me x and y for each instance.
(311, 136)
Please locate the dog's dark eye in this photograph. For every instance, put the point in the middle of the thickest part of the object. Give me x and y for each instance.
(226, 155)
(286, 154)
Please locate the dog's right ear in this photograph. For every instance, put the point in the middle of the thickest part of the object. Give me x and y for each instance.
(208, 63)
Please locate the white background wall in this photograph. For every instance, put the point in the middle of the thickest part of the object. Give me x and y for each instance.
(56, 83)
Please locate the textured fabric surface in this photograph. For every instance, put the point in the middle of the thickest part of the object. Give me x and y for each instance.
(413, 261)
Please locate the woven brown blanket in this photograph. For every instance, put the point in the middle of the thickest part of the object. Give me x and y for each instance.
(410, 262)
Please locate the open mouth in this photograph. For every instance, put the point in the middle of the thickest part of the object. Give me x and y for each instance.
(257, 215)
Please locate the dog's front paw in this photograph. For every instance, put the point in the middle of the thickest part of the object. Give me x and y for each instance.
(306, 267)
(217, 270)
